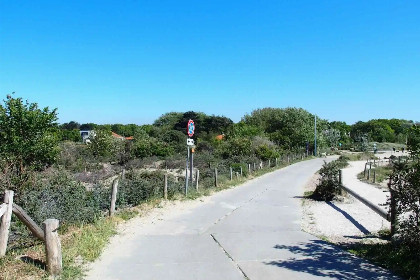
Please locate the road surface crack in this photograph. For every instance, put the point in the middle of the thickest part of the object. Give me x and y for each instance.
(240, 206)
(230, 257)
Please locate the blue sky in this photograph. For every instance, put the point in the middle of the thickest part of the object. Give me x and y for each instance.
(132, 61)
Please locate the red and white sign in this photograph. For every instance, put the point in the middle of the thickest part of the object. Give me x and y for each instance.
(190, 128)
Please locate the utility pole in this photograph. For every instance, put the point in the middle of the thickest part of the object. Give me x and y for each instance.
(315, 138)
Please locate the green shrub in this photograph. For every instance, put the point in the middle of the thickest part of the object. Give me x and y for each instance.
(74, 156)
(329, 185)
(61, 198)
(139, 187)
(236, 147)
(405, 189)
(236, 167)
(175, 188)
(265, 152)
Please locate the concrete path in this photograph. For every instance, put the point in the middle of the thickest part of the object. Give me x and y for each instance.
(250, 232)
(368, 191)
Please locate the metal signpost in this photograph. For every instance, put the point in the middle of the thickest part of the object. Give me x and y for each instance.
(190, 154)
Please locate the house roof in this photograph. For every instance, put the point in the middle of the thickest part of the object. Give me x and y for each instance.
(117, 135)
(121, 137)
(220, 137)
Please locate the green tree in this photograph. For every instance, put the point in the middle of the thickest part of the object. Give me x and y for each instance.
(70, 125)
(405, 189)
(102, 143)
(413, 141)
(87, 126)
(290, 128)
(242, 129)
(332, 136)
(382, 130)
(168, 120)
(28, 139)
(236, 147)
(175, 139)
(70, 135)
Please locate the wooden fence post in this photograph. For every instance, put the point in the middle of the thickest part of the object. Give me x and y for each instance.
(197, 176)
(237, 175)
(392, 208)
(113, 197)
(231, 175)
(5, 221)
(269, 163)
(254, 166)
(123, 174)
(215, 177)
(52, 247)
(165, 187)
(276, 161)
(249, 168)
(340, 177)
(368, 177)
(374, 175)
(241, 171)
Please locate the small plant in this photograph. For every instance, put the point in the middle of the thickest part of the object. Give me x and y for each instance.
(329, 185)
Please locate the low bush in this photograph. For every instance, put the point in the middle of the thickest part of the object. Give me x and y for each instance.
(236, 167)
(139, 187)
(61, 198)
(402, 260)
(405, 189)
(329, 186)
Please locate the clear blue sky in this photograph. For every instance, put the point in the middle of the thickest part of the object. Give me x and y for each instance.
(132, 61)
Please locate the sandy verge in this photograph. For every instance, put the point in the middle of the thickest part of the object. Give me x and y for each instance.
(343, 221)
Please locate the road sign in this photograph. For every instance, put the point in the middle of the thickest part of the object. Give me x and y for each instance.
(190, 142)
(190, 128)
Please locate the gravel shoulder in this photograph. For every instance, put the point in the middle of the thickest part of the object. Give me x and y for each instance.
(344, 221)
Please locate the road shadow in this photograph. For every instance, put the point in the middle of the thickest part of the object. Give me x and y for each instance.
(350, 218)
(319, 258)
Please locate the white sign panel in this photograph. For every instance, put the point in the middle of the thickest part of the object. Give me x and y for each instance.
(190, 142)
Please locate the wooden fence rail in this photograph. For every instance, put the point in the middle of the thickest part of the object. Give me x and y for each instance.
(48, 235)
(28, 222)
(381, 212)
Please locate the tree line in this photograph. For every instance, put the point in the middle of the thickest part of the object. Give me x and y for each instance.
(31, 138)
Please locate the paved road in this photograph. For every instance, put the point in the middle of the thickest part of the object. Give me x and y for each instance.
(373, 194)
(250, 232)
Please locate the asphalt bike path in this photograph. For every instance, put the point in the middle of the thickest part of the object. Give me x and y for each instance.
(248, 232)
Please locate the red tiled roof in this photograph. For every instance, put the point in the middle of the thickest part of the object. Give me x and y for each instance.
(117, 135)
(121, 137)
(220, 137)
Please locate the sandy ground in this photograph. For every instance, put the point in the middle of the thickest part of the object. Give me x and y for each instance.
(346, 220)
(342, 221)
